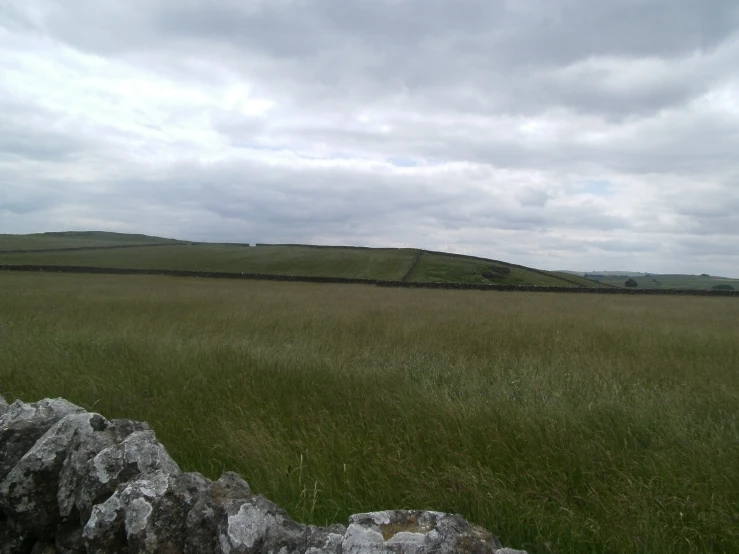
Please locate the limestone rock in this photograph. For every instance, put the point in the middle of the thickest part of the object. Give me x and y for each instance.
(42, 547)
(76, 483)
(258, 525)
(415, 532)
(138, 454)
(23, 424)
(201, 523)
(3, 405)
(14, 541)
(74, 499)
(28, 493)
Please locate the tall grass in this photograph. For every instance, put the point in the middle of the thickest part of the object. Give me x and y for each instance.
(563, 423)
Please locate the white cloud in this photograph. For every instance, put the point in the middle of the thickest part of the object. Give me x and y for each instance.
(565, 134)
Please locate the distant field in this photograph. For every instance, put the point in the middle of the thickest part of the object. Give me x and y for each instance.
(439, 267)
(304, 260)
(276, 260)
(563, 423)
(40, 241)
(658, 281)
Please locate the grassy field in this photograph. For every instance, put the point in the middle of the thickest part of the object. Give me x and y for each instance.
(436, 266)
(277, 260)
(74, 239)
(362, 263)
(563, 423)
(667, 281)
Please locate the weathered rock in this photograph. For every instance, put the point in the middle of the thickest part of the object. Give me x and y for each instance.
(3, 406)
(14, 541)
(150, 513)
(258, 525)
(325, 540)
(23, 424)
(138, 454)
(74, 499)
(201, 523)
(42, 547)
(415, 532)
(28, 495)
(69, 538)
(88, 485)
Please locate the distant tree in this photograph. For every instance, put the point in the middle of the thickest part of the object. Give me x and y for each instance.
(722, 287)
(631, 283)
(705, 275)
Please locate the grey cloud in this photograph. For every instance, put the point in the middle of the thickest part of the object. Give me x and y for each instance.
(533, 197)
(428, 104)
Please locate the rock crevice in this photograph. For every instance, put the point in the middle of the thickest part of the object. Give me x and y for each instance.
(73, 482)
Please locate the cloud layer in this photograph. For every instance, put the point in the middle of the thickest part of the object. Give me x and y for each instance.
(559, 134)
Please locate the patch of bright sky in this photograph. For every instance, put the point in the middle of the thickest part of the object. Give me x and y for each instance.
(597, 187)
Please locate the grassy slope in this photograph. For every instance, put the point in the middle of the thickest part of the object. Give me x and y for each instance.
(562, 423)
(279, 260)
(436, 266)
(580, 281)
(673, 281)
(73, 239)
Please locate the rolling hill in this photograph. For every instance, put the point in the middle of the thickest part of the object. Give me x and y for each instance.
(97, 250)
(76, 239)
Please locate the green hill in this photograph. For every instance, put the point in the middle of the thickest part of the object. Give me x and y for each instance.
(315, 261)
(75, 239)
(455, 268)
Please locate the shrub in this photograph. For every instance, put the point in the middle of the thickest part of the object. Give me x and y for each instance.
(722, 287)
(631, 283)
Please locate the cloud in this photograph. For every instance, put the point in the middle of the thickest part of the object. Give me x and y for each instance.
(559, 134)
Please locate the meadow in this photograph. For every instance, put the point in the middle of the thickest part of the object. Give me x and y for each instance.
(562, 423)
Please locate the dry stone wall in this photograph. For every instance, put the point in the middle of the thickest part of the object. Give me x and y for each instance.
(347, 281)
(73, 482)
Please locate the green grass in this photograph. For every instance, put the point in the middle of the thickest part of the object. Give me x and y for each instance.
(579, 281)
(439, 267)
(73, 239)
(563, 423)
(668, 281)
(376, 263)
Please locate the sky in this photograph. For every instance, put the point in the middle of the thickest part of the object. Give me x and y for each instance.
(559, 134)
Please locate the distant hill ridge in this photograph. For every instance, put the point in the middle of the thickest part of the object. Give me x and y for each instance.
(104, 249)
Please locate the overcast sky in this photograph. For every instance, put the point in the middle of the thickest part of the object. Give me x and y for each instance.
(561, 134)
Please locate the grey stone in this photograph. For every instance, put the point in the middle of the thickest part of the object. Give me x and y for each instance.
(79, 484)
(28, 493)
(3, 405)
(74, 499)
(14, 541)
(201, 523)
(258, 525)
(325, 540)
(139, 453)
(23, 424)
(148, 515)
(415, 532)
(69, 538)
(42, 547)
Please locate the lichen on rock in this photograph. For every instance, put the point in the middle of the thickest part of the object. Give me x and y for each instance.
(72, 482)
